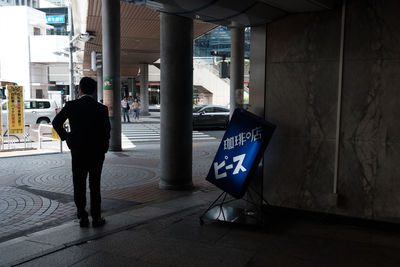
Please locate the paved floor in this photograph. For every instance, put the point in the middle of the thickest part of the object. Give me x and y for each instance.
(36, 191)
(151, 227)
(168, 233)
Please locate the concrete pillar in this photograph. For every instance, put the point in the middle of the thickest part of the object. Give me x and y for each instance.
(257, 100)
(111, 68)
(258, 62)
(144, 92)
(237, 68)
(99, 84)
(176, 102)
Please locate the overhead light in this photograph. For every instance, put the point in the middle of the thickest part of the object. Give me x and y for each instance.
(86, 37)
(83, 37)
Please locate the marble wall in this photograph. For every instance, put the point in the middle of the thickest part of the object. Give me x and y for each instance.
(302, 99)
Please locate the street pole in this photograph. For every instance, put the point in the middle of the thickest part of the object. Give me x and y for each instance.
(100, 84)
(71, 63)
(71, 73)
(144, 91)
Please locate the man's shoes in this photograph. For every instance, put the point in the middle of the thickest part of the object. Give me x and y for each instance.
(98, 222)
(84, 222)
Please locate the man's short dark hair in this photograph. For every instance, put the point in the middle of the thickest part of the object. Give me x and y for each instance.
(87, 85)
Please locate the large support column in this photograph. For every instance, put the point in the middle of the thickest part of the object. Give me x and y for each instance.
(258, 62)
(176, 102)
(99, 84)
(257, 99)
(144, 92)
(237, 68)
(111, 68)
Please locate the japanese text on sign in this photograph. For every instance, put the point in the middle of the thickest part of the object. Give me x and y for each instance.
(236, 169)
(55, 19)
(239, 140)
(15, 109)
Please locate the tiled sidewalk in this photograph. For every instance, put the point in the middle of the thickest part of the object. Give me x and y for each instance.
(36, 191)
(168, 233)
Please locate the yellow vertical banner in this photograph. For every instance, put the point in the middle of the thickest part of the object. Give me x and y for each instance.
(54, 134)
(15, 109)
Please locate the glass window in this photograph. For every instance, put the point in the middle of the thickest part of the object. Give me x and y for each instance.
(34, 104)
(43, 104)
(36, 31)
(217, 109)
(39, 93)
(27, 105)
(209, 110)
(197, 109)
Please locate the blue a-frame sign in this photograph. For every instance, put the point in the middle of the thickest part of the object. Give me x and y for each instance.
(240, 151)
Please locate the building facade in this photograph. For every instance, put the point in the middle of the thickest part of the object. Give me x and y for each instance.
(30, 56)
(30, 3)
(218, 41)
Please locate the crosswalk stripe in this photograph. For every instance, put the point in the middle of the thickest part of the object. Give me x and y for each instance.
(126, 143)
(157, 133)
(151, 133)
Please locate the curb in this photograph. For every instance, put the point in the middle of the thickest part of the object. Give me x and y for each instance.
(49, 239)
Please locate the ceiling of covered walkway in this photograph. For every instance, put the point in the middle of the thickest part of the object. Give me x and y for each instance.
(140, 22)
(140, 33)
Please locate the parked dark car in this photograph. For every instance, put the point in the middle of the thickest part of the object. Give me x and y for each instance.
(210, 117)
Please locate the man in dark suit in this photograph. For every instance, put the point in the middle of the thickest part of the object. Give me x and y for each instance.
(88, 141)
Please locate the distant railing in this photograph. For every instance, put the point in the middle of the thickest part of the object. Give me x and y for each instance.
(36, 139)
(48, 135)
(14, 141)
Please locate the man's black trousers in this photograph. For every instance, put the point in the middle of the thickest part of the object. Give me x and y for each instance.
(84, 164)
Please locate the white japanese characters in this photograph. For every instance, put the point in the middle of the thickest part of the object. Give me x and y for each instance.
(239, 140)
(239, 166)
(221, 169)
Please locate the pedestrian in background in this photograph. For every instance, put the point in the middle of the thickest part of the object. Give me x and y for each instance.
(136, 109)
(125, 109)
(88, 141)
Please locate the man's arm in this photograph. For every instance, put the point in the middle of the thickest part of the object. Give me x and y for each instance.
(58, 122)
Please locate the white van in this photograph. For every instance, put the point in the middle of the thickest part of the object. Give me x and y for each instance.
(36, 111)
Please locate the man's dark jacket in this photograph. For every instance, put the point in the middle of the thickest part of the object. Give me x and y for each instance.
(89, 122)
